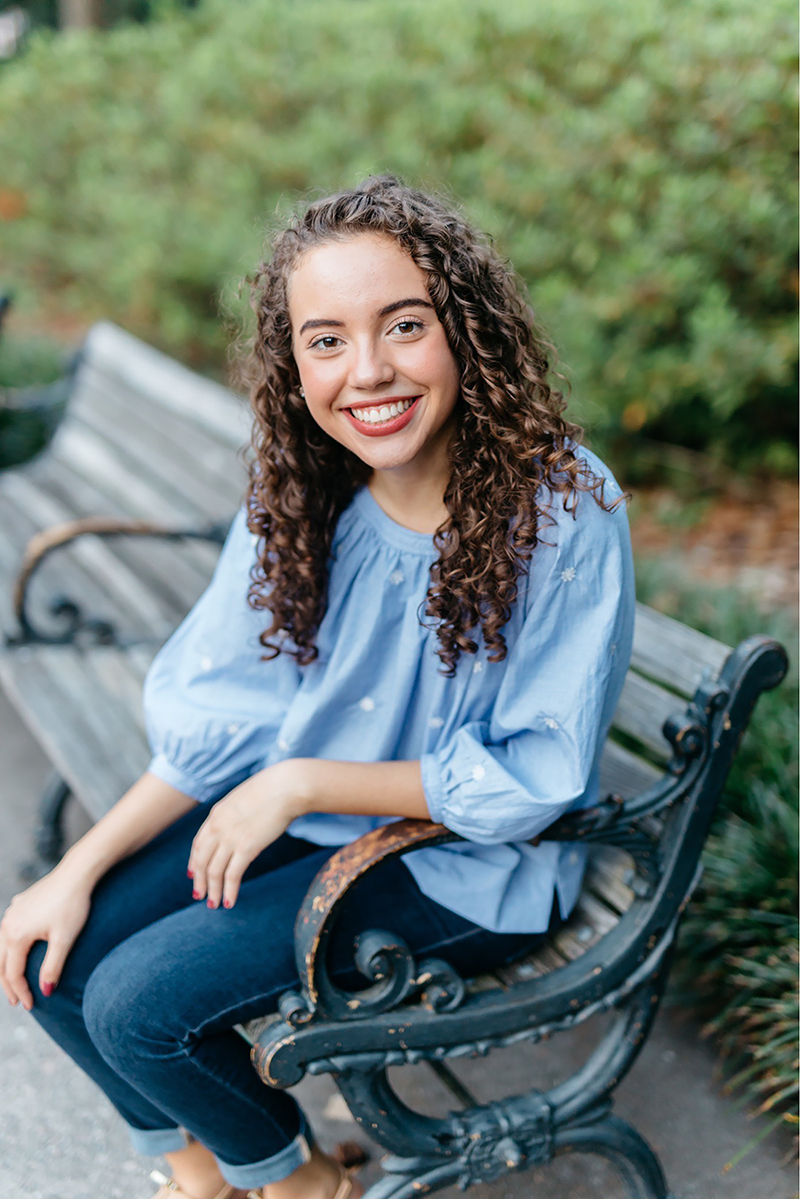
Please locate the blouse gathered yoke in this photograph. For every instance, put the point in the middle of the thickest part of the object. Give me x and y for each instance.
(505, 747)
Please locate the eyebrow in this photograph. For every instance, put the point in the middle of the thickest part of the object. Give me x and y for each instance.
(319, 324)
(411, 302)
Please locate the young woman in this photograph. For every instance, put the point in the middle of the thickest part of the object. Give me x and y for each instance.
(423, 609)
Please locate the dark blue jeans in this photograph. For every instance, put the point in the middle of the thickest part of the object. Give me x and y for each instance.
(156, 981)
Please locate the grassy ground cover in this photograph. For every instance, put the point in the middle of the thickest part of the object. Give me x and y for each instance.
(738, 956)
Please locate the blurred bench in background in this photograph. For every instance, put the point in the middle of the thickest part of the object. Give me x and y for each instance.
(146, 446)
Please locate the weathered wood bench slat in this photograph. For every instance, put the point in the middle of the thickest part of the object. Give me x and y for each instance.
(63, 574)
(148, 372)
(541, 961)
(591, 919)
(642, 709)
(156, 427)
(98, 462)
(607, 872)
(131, 595)
(86, 453)
(115, 675)
(138, 659)
(673, 653)
(67, 741)
(158, 563)
(176, 478)
(623, 773)
(117, 737)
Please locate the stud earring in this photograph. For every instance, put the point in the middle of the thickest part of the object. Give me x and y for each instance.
(302, 394)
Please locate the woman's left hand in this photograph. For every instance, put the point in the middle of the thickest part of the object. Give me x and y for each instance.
(239, 826)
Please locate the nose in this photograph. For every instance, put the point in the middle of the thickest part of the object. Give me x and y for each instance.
(371, 366)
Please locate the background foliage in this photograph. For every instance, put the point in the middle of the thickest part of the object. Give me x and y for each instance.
(634, 159)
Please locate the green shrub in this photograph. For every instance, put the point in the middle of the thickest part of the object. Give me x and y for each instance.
(29, 361)
(738, 948)
(632, 158)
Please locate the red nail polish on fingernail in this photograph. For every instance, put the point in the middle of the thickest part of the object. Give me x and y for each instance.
(190, 874)
(196, 894)
(211, 904)
(226, 903)
(47, 989)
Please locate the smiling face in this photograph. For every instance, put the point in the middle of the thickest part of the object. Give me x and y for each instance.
(373, 358)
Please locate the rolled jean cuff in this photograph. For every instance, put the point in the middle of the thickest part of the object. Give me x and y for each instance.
(271, 1169)
(154, 1141)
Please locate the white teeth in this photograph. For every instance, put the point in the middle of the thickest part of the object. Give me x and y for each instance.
(379, 416)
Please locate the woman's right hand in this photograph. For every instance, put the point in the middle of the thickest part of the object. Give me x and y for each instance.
(56, 907)
(54, 910)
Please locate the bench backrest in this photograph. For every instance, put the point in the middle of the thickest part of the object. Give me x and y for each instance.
(144, 437)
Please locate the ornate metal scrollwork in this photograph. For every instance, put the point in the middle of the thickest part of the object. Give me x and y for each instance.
(73, 623)
(441, 987)
(503, 1137)
(687, 733)
(387, 962)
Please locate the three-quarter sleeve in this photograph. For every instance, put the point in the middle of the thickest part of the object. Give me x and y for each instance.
(507, 778)
(212, 705)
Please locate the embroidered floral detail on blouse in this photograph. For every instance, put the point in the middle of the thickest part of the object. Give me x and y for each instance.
(568, 574)
(573, 858)
(435, 722)
(397, 577)
(232, 729)
(367, 704)
(478, 667)
(550, 722)
(282, 744)
(478, 772)
(205, 665)
(613, 647)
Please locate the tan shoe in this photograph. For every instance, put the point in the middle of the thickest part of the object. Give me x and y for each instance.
(345, 1190)
(170, 1190)
(346, 1186)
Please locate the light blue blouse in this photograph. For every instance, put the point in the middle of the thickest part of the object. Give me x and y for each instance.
(505, 747)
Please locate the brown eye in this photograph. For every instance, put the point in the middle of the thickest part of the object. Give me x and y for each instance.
(407, 327)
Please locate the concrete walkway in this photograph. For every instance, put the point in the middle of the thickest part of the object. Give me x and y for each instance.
(60, 1138)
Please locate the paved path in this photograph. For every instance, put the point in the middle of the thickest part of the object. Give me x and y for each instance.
(60, 1138)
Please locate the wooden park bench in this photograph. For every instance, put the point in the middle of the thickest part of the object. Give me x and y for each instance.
(122, 520)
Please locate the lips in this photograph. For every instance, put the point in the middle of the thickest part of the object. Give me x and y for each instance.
(383, 427)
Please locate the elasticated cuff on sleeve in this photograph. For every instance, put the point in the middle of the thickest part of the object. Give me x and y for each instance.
(432, 786)
(162, 768)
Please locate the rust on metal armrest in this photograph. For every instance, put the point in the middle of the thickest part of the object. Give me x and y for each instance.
(56, 537)
(341, 871)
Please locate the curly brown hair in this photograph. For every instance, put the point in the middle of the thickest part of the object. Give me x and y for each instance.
(512, 444)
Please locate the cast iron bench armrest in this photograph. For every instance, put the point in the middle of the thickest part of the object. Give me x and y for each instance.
(45, 543)
(318, 912)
